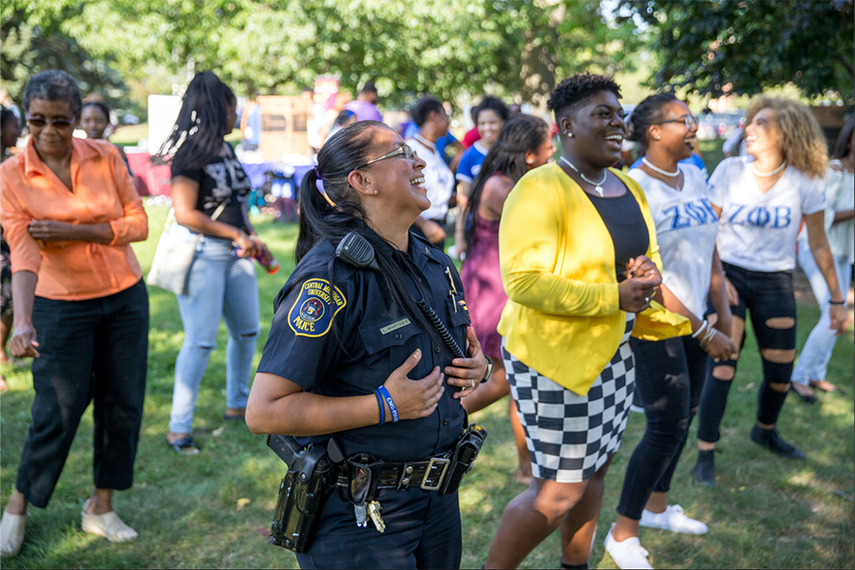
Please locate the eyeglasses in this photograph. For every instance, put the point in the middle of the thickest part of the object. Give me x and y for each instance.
(404, 150)
(688, 120)
(39, 122)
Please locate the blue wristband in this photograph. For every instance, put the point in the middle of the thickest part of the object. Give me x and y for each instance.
(385, 393)
(380, 403)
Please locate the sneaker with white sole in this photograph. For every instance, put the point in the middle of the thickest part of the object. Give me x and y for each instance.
(672, 519)
(627, 553)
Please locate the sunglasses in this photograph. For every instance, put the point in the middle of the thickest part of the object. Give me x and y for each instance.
(688, 120)
(59, 124)
(404, 150)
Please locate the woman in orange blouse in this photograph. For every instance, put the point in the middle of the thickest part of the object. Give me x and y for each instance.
(70, 212)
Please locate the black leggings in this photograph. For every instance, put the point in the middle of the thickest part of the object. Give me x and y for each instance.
(669, 377)
(766, 296)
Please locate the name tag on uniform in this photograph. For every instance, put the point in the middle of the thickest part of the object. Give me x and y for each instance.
(395, 326)
(312, 313)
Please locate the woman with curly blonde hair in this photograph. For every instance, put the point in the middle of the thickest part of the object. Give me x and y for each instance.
(761, 205)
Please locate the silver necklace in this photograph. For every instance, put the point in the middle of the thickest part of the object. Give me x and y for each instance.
(598, 186)
(659, 170)
(768, 174)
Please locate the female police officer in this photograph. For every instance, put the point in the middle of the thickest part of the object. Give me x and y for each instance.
(358, 353)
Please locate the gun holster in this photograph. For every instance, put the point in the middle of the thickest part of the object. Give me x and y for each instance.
(302, 492)
(465, 452)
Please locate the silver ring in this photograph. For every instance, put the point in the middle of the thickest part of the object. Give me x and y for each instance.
(471, 383)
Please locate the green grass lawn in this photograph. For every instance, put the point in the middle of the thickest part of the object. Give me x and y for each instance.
(214, 509)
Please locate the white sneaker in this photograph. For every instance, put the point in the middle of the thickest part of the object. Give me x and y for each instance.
(12, 533)
(672, 519)
(628, 553)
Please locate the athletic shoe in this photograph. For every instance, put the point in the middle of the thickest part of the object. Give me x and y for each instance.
(628, 553)
(703, 473)
(770, 439)
(672, 519)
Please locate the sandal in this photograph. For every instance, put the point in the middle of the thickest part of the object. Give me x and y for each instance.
(184, 445)
(807, 397)
(822, 385)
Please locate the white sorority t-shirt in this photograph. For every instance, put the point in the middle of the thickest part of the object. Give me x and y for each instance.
(758, 230)
(686, 228)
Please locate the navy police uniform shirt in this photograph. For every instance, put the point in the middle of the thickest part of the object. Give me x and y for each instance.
(345, 337)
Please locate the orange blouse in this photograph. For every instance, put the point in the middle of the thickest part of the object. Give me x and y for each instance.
(103, 191)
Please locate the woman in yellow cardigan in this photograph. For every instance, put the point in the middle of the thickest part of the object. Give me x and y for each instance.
(578, 255)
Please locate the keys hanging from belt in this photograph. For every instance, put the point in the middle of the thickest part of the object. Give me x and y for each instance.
(374, 512)
(369, 509)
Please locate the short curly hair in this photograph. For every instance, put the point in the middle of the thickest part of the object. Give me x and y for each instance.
(54, 85)
(576, 89)
(423, 108)
(804, 145)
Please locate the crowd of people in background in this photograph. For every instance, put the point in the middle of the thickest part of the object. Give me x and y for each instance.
(602, 265)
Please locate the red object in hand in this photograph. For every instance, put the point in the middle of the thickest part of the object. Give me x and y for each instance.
(272, 266)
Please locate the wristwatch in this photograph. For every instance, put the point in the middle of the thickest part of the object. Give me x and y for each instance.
(489, 370)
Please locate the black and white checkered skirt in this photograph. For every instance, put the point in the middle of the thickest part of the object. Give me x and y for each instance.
(570, 436)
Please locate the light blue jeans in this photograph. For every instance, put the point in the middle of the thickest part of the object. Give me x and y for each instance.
(220, 284)
(814, 358)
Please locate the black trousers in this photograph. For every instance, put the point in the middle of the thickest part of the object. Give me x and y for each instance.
(423, 530)
(93, 350)
(670, 375)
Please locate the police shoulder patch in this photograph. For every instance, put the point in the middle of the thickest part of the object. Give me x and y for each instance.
(312, 313)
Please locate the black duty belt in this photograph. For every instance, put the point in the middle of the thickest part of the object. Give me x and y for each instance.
(427, 474)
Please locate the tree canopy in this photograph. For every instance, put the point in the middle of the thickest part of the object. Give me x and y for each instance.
(720, 46)
(444, 47)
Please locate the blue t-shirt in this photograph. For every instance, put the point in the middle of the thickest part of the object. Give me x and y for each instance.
(470, 163)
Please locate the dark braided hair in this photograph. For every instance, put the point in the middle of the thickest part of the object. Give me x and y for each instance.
(202, 123)
(648, 112)
(572, 92)
(340, 155)
(521, 134)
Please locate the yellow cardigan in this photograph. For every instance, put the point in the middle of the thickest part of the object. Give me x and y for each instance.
(557, 258)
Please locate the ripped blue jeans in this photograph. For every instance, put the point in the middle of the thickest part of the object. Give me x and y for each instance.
(220, 285)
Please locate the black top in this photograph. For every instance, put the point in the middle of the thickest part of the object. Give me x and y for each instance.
(345, 338)
(216, 186)
(623, 218)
